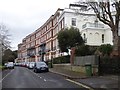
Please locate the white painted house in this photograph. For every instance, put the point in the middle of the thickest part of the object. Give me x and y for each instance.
(93, 31)
(44, 39)
(96, 34)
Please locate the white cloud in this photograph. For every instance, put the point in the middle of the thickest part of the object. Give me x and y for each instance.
(25, 16)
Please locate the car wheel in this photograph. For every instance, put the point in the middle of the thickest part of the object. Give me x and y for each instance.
(36, 70)
(47, 70)
(33, 70)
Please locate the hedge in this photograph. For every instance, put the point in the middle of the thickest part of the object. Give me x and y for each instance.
(62, 59)
(110, 65)
(2, 67)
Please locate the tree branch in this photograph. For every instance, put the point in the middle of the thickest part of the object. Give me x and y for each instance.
(102, 18)
(110, 15)
(117, 16)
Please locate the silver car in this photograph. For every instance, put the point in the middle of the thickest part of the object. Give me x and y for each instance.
(31, 65)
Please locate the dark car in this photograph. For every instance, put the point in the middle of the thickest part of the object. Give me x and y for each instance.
(40, 66)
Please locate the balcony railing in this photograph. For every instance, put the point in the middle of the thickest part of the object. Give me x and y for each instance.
(92, 25)
(47, 50)
(31, 48)
(41, 52)
(31, 54)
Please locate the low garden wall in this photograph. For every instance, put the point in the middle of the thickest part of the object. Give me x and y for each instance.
(81, 69)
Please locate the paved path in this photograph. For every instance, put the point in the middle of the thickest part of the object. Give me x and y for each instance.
(68, 73)
(100, 82)
(109, 82)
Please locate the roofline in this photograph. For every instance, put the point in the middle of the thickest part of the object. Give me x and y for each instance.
(77, 5)
(74, 12)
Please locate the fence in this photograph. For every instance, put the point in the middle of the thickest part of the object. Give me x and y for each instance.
(105, 65)
(82, 60)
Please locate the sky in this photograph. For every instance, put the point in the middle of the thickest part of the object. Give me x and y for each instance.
(23, 17)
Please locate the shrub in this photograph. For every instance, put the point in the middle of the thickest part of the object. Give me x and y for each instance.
(105, 49)
(84, 50)
(2, 67)
(110, 65)
(62, 59)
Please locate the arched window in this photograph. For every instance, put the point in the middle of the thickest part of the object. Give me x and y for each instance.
(97, 38)
(97, 33)
(102, 38)
(84, 35)
(90, 37)
(90, 33)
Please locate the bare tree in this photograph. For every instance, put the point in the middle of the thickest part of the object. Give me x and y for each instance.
(108, 12)
(4, 37)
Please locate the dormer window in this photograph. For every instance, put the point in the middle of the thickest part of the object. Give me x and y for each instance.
(96, 23)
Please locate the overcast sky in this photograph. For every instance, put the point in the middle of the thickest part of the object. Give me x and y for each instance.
(23, 17)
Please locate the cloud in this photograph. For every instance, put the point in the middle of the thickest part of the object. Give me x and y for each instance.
(24, 16)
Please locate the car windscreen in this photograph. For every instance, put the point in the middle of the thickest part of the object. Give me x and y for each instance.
(41, 64)
(32, 63)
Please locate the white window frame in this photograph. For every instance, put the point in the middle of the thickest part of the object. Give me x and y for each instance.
(73, 22)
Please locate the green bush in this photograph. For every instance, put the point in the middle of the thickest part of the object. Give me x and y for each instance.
(84, 50)
(105, 49)
(62, 59)
(110, 65)
(2, 67)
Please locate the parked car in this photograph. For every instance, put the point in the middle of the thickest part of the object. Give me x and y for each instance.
(5, 65)
(40, 66)
(31, 65)
(23, 64)
(19, 64)
(10, 65)
(16, 64)
(27, 64)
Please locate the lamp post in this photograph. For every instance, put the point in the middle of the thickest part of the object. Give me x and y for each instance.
(0, 53)
(51, 61)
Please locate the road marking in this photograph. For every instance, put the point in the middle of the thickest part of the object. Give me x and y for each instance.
(39, 76)
(80, 84)
(6, 75)
(35, 74)
(45, 80)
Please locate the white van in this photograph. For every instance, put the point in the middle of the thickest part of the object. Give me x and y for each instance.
(10, 65)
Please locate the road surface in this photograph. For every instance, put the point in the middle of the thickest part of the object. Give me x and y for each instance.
(21, 77)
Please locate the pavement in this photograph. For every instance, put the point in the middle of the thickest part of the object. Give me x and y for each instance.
(107, 82)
